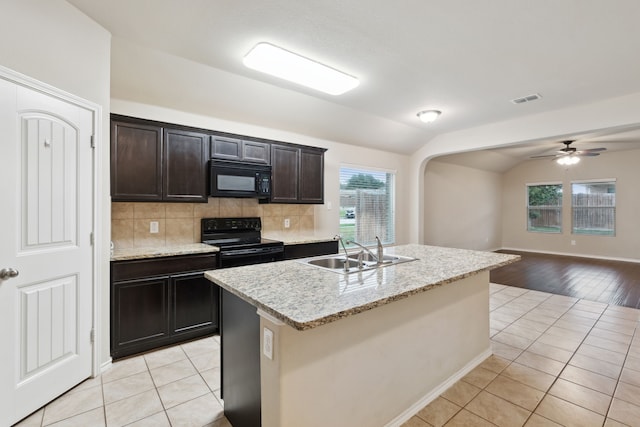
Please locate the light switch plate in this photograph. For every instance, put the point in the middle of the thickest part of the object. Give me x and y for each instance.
(153, 227)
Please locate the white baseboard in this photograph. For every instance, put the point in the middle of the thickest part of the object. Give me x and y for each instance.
(105, 366)
(433, 394)
(571, 254)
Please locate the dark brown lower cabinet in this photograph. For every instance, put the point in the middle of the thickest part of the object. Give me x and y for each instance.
(303, 250)
(161, 301)
(194, 303)
(140, 314)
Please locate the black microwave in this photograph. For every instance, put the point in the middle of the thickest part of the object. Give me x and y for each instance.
(235, 179)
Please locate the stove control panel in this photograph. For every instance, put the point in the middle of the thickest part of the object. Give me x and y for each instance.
(231, 224)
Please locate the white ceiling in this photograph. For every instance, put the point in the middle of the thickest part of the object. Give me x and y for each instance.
(466, 58)
(504, 158)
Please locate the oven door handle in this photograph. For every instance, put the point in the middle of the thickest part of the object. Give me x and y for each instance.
(252, 251)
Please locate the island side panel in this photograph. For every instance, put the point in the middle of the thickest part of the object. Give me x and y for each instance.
(370, 368)
(240, 361)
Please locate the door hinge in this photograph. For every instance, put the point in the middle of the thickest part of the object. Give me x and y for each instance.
(93, 141)
(91, 238)
(92, 335)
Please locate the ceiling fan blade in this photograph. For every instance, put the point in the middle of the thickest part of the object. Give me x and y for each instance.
(547, 155)
(586, 154)
(592, 150)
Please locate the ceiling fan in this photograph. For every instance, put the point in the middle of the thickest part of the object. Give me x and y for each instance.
(570, 155)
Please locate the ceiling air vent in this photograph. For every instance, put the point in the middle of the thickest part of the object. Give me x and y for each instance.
(527, 98)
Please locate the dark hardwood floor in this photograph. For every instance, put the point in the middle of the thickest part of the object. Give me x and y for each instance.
(611, 282)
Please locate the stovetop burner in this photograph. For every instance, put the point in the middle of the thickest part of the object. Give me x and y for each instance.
(240, 241)
(233, 233)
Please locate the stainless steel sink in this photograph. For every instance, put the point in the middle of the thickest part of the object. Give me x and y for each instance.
(367, 257)
(335, 263)
(332, 263)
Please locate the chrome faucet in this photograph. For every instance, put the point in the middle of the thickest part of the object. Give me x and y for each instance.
(374, 256)
(380, 250)
(346, 255)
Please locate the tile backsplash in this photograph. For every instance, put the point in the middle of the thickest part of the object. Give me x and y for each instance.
(179, 223)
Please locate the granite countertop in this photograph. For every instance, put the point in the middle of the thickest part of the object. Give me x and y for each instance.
(200, 248)
(304, 297)
(296, 239)
(162, 251)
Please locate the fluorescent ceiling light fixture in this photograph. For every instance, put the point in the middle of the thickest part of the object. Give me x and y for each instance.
(428, 116)
(287, 65)
(568, 160)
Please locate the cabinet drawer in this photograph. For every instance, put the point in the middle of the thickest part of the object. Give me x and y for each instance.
(140, 268)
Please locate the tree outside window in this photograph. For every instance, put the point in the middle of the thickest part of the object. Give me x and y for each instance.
(544, 208)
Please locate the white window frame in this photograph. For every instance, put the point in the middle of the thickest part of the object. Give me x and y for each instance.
(365, 168)
(527, 207)
(615, 208)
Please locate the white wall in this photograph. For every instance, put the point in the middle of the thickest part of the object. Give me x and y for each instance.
(53, 42)
(462, 207)
(614, 113)
(621, 165)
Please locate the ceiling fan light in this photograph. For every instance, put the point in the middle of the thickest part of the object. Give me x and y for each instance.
(568, 160)
(428, 116)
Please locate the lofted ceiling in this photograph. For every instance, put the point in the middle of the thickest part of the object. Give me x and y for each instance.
(468, 59)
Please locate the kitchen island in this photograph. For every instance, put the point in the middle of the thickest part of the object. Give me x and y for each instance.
(368, 348)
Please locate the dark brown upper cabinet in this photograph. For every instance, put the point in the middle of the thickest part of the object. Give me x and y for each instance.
(153, 162)
(156, 161)
(227, 148)
(311, 175)
(297, 174)
(136, 162)
(185, 166)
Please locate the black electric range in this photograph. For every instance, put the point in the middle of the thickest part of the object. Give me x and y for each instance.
(240, 241)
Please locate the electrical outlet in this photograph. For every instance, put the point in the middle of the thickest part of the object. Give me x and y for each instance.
(573, 243)
(153, 227)
(287, 223)
(329, 206)
(267, 343)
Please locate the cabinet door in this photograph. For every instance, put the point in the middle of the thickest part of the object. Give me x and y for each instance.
(194, 304)
(139, 315)
(256, 152)
(284, 171)
(311, 176)
(185, 166)
(226, 148)
(136, 159)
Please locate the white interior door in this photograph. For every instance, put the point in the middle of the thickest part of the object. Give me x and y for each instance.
(45, 228)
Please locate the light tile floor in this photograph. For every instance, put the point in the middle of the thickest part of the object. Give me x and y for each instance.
(557, 361)
(176, 386)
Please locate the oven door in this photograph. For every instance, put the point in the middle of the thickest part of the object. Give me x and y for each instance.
(239, 180)
(249, 256)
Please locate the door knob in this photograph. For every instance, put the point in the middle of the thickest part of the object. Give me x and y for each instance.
(8, 273)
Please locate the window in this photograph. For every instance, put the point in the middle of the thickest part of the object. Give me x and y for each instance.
(367, 205)
(594, 207)
(544, 208)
